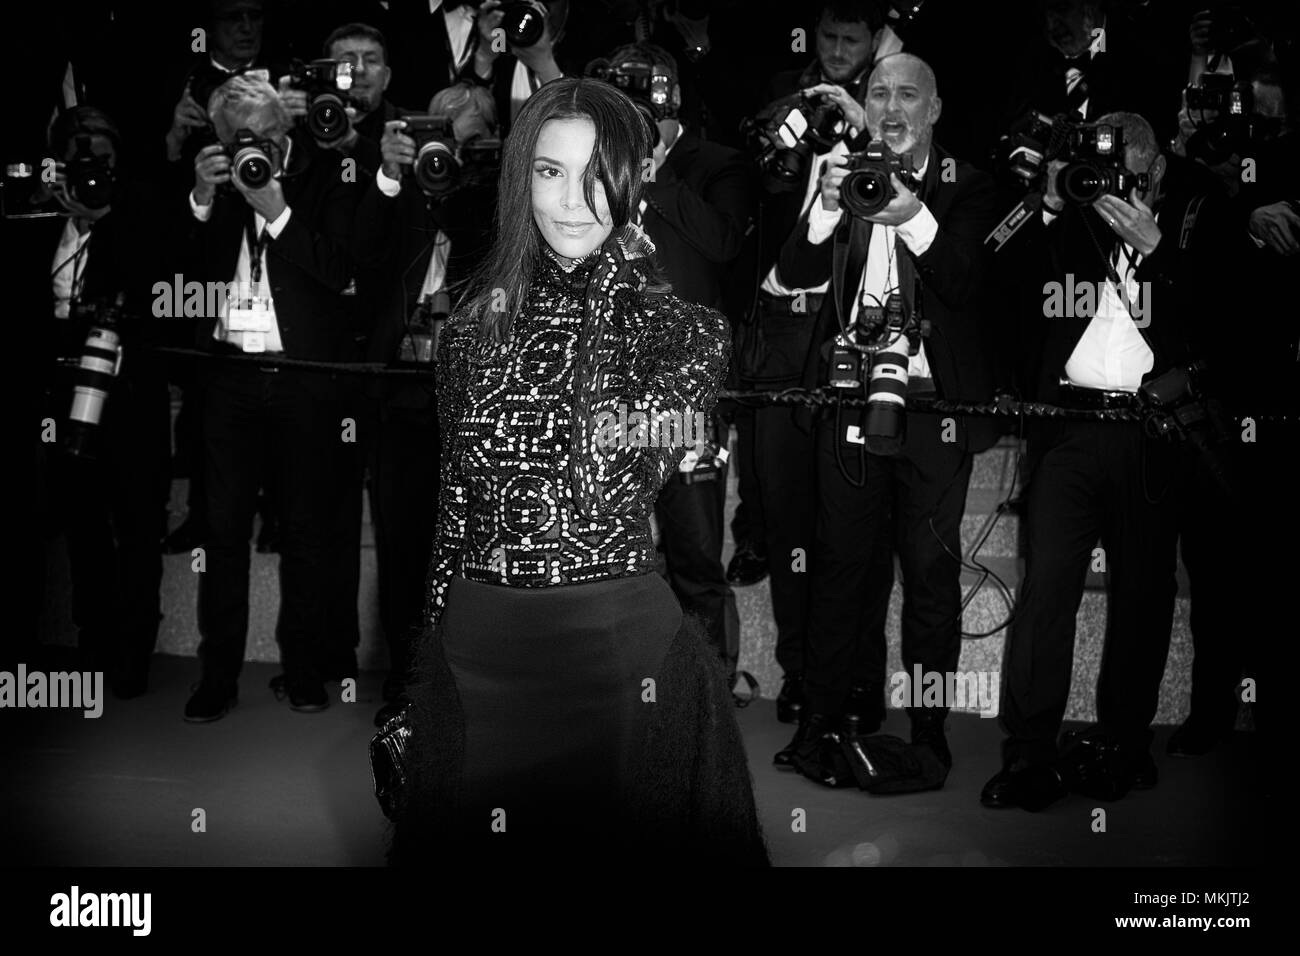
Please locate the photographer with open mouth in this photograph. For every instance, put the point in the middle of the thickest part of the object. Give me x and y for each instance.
(898, 231)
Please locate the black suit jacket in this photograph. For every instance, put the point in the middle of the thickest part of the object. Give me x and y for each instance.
(308, 265)
(419, 52)
(394, 241)
(1184, 310)
(697, 209)
(1142, 70)
(953, 275)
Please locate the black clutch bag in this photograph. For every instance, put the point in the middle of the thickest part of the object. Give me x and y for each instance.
(388, 761)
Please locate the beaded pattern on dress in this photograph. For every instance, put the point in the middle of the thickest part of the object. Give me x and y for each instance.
(530, 497)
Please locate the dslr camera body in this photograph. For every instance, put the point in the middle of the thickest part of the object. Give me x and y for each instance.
(251, 163)
(1235, 126)
(326, 83)
(788, 133)
(441, 167)
(866, 189)
(875, 354)
(651, 89)
(1093, 154)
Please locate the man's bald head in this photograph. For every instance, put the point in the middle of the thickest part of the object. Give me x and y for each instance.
(903, 104)
(909, 63)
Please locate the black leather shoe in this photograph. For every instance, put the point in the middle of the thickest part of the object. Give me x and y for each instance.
(807, 733)
(210, 702)
(187, 536)
(305, 696)
(746, 567)
(1031, 786)
(1192, 739)
(789, 703)
(864, 711)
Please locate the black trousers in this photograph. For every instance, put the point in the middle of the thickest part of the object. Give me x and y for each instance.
(1091, 481)
(1211, 525)
(910, 503)
(404, 481)
(285, 423)
(692, 526)
(785, 477)
(114, 514)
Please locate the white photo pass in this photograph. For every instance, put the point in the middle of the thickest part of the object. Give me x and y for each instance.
(248, 312)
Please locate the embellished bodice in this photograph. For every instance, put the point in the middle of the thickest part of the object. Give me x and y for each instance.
(544, 482)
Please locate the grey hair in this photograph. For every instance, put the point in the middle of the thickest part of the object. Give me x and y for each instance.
(240, 97)
(1138, 136)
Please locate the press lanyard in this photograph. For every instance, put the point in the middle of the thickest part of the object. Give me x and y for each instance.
(256, 246)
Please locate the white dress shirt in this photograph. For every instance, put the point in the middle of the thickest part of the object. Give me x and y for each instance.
(68, 270)
(460, 27)
(1073, 75)
(243, 270)
(1111, 354)
(880, 275)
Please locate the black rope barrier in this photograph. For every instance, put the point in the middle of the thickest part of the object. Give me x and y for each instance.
(1003, 405)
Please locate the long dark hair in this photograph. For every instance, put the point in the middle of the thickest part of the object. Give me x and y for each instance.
(618, 158)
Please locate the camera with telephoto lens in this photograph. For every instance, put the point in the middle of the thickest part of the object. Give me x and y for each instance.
(93, 378)
(524, 21)
(250, 159)
(326, 83)
(652, 90)
(789, 132)
(1235, 126)
(890, 339)
(866, 189)
(1094, 165)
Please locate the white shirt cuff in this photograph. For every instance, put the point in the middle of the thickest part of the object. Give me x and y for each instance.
(919, 231)
(389, 187)
(276, 226)
(201, 213)
(821, 223)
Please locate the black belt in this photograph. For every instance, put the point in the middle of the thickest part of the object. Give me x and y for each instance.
(783, 304)
(1073, 396)
(225, 348)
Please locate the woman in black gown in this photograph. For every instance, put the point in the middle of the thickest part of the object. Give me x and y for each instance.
(566, 708)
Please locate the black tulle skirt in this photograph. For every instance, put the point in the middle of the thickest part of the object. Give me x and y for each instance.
(588, 722)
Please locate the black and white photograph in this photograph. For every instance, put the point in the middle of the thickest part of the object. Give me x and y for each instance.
(621, 445)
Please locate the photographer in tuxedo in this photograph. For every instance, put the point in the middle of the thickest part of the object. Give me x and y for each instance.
(276, 221)
(922, 251)
(417, 251)
(1147, 251)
